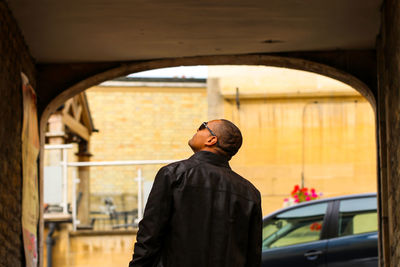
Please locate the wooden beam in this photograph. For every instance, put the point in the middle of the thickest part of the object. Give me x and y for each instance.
(85, 112)
(67, 106)
(84, 184)
(78, 113)
(76, 126)
(74, 105)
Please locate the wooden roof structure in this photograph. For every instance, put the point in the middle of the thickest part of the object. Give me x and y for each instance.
(76, 119)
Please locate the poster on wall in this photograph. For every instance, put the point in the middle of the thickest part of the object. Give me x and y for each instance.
(30, 152)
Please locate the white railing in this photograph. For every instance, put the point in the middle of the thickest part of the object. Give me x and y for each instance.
(139, 179)
(65, 165)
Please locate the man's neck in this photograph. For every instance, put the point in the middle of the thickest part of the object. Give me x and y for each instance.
(211, 149)
(214, 150)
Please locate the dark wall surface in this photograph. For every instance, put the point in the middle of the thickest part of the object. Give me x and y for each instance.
(15, 58)
(389, 133)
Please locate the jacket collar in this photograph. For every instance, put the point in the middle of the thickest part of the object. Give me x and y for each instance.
(212, 158)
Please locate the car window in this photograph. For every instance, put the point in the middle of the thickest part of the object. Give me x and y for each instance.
(296, 226)
(357, 216)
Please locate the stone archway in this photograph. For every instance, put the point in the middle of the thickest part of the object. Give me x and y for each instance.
(261, 60)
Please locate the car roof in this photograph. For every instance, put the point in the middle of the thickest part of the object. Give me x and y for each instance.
(319, 201)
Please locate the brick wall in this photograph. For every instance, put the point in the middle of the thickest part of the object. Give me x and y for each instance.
(14, 58)
(139, 123)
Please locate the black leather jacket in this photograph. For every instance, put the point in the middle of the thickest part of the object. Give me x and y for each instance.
(200, 213)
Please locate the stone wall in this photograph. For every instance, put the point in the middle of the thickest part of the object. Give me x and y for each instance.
(389, 141)
(15, 58)
(329, 142)
(139, 123)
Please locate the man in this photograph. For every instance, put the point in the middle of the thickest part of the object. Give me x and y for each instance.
(200, 212)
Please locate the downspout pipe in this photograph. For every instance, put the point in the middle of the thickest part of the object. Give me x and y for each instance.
(49, 243)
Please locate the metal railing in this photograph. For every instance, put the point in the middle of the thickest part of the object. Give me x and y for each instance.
(65, 164)
(139, 180)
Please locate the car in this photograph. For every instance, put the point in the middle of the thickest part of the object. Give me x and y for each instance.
(340, 231)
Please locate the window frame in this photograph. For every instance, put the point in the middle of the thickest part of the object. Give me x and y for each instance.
(326, 224)
(334, 231)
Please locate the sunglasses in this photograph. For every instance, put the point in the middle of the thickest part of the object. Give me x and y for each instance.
(204, 126)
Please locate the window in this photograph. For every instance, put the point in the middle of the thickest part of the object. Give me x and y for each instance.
(357, 216)
(296, 226)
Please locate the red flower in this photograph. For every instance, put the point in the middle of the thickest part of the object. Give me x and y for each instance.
(296, 188)
(316, 226)
(301, 194)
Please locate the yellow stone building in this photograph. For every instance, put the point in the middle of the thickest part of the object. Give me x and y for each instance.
(140, 120)
(295, 124)
(298, 124)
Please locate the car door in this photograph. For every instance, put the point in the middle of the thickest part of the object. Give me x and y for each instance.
(356, 243)
(294, 237)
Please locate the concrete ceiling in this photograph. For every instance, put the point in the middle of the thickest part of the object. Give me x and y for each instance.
(64, 31)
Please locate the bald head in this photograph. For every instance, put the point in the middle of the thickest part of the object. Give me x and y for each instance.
(229, 136)
(217, 136)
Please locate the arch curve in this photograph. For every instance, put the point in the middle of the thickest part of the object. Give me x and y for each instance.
(259, 60)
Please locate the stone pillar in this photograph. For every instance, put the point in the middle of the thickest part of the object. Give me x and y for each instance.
(56, 136)
(214, 99)
(84, 186)
(388, 48)
(55, 131)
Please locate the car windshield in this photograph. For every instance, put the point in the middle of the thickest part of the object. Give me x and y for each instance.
(294, 226)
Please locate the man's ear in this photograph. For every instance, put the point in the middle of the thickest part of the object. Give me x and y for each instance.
(211, 141)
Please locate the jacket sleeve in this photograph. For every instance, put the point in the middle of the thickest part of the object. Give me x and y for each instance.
(153, 226)
(255, 237)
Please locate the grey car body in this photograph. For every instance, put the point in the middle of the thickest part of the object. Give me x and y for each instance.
(332, 232)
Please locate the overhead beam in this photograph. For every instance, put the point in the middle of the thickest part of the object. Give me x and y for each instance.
(76, 126)
(54, 79)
